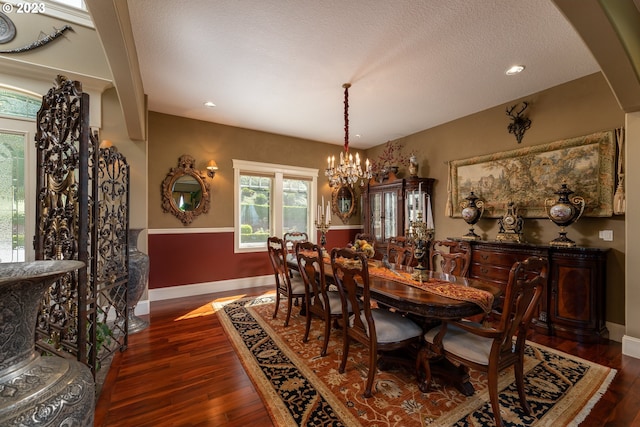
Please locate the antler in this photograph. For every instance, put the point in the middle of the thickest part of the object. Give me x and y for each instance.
(525, 104)
(519, 124)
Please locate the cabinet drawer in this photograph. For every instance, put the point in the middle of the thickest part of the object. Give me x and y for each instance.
(501, 259)
(490, 272)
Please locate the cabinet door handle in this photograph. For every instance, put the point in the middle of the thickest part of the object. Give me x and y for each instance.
(484, 270)
(484, 257)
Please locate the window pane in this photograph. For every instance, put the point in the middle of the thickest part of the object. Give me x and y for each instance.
(255, 210)
(391, 212)
(12, 209)
(295, 205)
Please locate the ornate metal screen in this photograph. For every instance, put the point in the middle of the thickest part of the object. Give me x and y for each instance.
(82, 213)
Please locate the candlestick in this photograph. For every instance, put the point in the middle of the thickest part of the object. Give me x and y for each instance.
(323, 222)
(430, 225)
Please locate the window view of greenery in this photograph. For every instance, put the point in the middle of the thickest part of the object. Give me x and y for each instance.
(256, 216)
(295, 205)
(255, 209)
(12, 209)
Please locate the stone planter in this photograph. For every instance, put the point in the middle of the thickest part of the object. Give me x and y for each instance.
(34, 389)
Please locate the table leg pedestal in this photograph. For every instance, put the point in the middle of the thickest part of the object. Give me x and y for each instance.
(430, 364)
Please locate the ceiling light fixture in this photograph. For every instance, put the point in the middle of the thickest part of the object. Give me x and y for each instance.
(347, 172)
(515, 69)
(209, 104)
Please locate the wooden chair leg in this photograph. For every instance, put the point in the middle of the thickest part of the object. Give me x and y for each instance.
(289, 307)
(519, 373)
(327, 332)
(373, 366)
(275, 312)
(307, 326)
(493, 395)
(423, 369)
(345, 352)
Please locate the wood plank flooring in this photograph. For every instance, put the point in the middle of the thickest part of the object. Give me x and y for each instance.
(182, 371)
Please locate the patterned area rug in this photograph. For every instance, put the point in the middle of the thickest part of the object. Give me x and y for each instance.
(300, 388)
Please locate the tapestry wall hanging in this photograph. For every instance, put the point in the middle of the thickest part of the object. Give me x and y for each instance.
(528, 176)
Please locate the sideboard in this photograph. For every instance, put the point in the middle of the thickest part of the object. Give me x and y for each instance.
(573, 305)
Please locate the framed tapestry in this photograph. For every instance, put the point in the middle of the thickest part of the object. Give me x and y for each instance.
(530, 175)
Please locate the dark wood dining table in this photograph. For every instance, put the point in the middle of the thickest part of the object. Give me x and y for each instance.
(427, 308)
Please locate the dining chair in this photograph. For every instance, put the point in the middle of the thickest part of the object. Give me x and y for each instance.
(289, 287)
(399, 254)
(319, 300)
(450, 256)
(492, 349)
(291, 238)
(379, 330)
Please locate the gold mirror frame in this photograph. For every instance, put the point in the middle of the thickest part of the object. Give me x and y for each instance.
(185, 168)
(337, 203)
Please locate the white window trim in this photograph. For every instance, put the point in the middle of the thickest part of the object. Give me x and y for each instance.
(278, 171)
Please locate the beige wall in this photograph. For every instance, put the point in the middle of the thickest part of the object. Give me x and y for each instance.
(632, 181)
(172, 136)
(573, 109)
(114, 130)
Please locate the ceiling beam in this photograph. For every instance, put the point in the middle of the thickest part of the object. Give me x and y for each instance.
(609, 29)
(112, 22)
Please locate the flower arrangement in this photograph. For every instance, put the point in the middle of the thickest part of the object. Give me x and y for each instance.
(391, 156)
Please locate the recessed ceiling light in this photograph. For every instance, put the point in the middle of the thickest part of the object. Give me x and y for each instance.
(209, 104)
(514, 70)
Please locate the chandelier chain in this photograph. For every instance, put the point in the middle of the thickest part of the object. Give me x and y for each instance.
(346, 116)
(348, 171)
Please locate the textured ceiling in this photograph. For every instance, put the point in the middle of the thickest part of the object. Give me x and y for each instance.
(279, 65)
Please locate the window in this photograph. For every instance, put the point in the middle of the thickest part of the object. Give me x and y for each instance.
(18, 110)
(271, 200)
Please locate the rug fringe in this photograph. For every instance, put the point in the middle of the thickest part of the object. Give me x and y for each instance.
(586, 410)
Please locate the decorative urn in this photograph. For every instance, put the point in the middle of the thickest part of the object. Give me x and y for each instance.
(472, 211)
(413, 166)
(35, 389)
(564, 212)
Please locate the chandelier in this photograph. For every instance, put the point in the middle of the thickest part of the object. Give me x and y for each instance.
(349, 170)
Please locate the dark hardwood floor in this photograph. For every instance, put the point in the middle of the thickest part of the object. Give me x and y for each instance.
(182, 371)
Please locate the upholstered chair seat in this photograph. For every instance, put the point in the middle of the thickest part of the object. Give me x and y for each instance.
(465, 344)
(390, 326)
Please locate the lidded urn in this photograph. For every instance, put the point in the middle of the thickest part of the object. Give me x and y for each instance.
(472, 211)
(563, 212)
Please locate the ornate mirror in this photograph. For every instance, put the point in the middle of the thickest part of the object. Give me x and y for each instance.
(185, 191)
(343, 202)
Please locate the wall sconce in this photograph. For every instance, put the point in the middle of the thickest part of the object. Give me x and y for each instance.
(212, 167)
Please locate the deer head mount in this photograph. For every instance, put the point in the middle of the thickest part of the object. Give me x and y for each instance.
(519, 124)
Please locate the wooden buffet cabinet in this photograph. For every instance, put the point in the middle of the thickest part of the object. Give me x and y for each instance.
(573, 305)
(385, 207)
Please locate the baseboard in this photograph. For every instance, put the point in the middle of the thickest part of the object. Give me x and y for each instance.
(631, 346)
(209, 287)
(142, 308)
(616, 331)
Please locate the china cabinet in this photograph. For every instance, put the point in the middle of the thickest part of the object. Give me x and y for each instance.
(388, 206)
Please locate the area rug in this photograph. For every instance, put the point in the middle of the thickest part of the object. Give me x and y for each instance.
(301, 388)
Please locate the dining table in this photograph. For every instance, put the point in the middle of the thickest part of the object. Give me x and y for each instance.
(437, 297)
